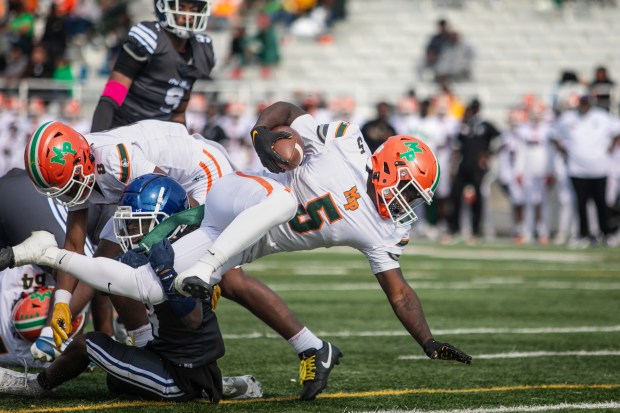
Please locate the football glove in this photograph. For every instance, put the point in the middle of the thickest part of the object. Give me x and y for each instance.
(134, 258)
(445, 351)
(215, 296)
(61, 323)
(263, 140)
(44, 349)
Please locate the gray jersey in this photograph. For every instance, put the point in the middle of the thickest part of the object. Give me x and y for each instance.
(166, 79)
(23, 210)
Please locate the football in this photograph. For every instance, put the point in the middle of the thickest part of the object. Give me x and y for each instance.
(30, 312)
(291, 150)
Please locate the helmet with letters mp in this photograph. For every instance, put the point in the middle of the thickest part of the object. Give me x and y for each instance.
(146, 202)
(60, 164)
(405, 174)
(183, 17)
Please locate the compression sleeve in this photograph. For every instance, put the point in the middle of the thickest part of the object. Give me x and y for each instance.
(104, 114)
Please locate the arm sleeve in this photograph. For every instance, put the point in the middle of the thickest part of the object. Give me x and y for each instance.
(104, 114)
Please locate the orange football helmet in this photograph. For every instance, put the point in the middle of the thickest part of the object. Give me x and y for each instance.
(59, 163)
(405, 174)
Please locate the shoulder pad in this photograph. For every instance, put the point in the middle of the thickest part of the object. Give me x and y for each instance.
(142, 39)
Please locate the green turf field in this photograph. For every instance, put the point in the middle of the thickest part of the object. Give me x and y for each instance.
(543, 326)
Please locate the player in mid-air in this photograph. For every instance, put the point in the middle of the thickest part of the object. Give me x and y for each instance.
(340, 195)
(80, 170)
(158, 65)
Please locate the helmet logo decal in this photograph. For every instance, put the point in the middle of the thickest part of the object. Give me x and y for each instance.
(41, 296)
(60, 153)
(413, 148)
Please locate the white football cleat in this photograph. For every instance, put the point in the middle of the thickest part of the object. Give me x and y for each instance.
(241, 387)
(19, 384)
(39, 248)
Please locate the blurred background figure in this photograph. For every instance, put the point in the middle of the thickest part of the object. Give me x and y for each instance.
(533, 175)
(586, 136)
(602, 88)
(473, 143)
(377, 130)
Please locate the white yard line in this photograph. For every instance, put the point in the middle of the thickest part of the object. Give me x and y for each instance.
(478, 284)
(516, 409)
(530, 354)
(458, 331)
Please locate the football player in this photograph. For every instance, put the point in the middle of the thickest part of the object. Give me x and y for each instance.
(23, 210)
(158, 65)
(174, 366)
(340, 195)
(78, 170)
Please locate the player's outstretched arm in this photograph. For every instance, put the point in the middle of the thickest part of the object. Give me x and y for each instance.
(408, 309)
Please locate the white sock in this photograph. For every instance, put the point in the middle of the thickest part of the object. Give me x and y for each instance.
(140, 336)
(305, 340)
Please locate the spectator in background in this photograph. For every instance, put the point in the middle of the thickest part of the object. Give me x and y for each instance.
(601, 88)
(212, 130)
(21, 27)
(39, 65)
(568, 87)
(455, 60)
(268, 53)
(54, 37)
(435, 46)
(238, 55)
(586, 136)
(17, 61)
(474, 149)
(377, 130)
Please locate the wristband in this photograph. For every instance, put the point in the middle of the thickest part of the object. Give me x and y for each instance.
(62, 296)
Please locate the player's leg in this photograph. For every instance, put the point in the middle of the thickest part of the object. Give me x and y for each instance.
(265, 304)
(133, 371)
(71, 363)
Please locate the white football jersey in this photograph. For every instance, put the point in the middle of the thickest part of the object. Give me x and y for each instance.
(334, 208)
(533, 150)
(125, 153)
(14, 350)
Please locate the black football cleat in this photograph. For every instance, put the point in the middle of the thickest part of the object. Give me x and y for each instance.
(315, 366)
(193, 286)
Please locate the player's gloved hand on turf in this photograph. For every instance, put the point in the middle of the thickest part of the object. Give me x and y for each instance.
(445, 351)
(263, 140)
(134, 258)
(61, 323)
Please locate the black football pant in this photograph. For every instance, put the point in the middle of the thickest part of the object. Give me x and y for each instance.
(464, 177)
(594, 189)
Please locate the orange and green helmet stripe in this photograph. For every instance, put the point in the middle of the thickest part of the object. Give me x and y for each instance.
(32, 156)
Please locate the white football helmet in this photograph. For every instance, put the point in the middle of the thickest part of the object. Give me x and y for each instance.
(183, 17)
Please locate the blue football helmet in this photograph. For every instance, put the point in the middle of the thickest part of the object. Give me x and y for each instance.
(183, 17)
(145, 202)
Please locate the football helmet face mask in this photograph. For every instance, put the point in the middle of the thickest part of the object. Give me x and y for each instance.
(59, 163)
(146, 202)
(183, 17)
(405, 174)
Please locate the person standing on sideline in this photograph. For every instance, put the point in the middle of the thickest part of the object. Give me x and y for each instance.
(586, 136)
